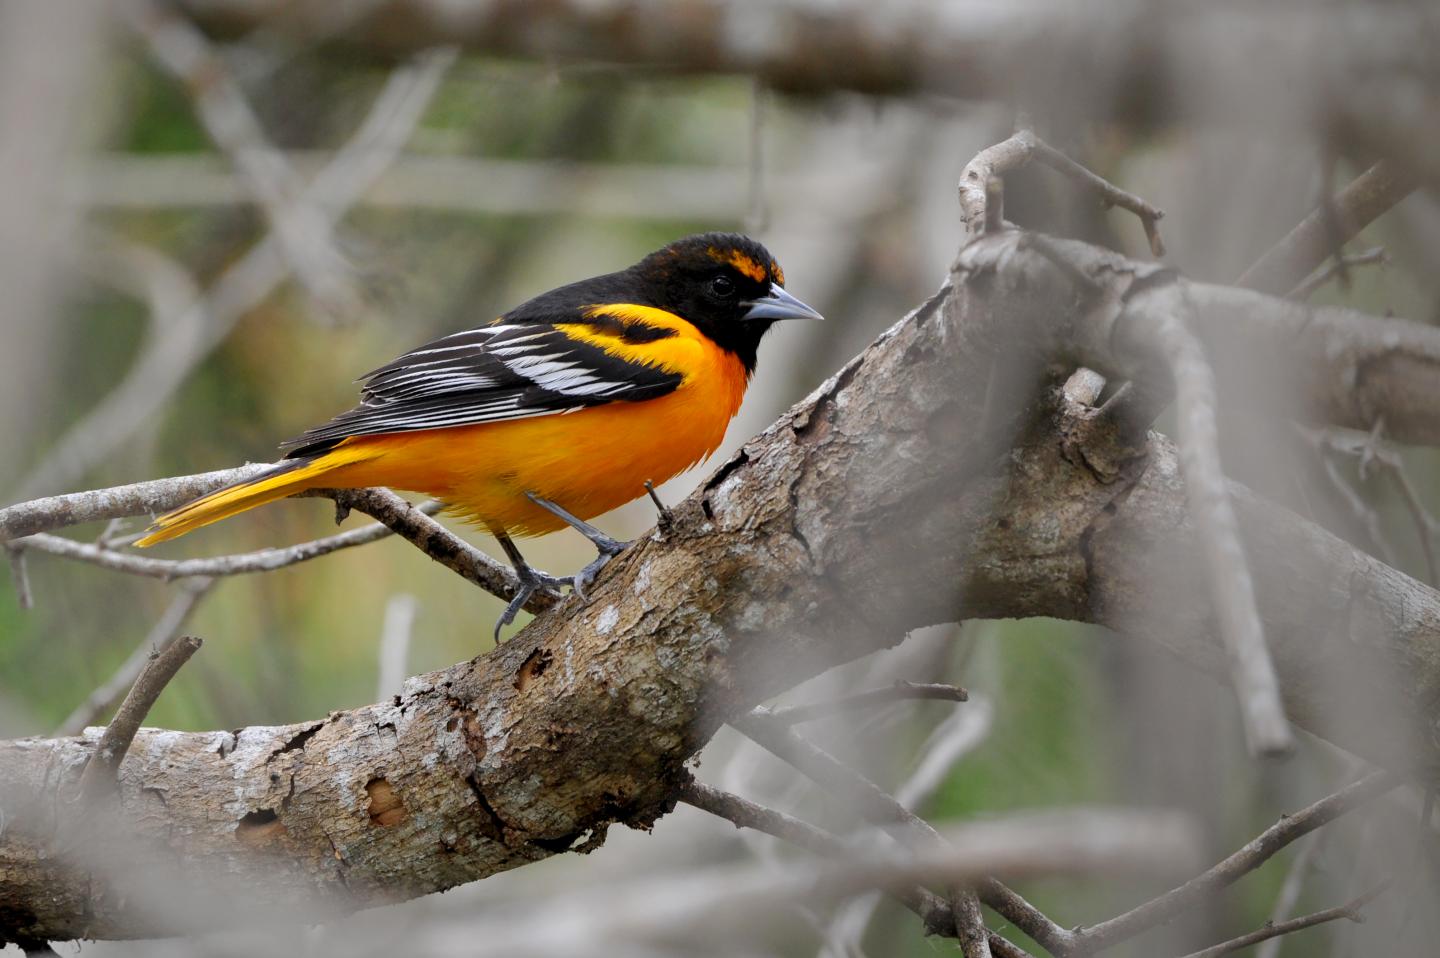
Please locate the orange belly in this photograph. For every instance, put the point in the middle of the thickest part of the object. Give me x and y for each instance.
(589, 461)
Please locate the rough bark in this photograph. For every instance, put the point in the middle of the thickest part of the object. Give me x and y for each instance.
(929, 479)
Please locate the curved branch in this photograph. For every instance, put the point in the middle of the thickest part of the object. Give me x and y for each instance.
(868, 510)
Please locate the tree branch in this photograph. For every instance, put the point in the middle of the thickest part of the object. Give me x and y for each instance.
(1251, 856)
(99, 777)
(1352, 911)
(881, 485)
(1306, 247)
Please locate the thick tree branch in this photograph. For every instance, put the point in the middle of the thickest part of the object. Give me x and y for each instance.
(872, 508)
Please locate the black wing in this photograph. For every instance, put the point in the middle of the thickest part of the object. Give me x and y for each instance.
(493, 373)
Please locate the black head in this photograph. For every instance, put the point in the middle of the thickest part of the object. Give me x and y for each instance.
(726, 284)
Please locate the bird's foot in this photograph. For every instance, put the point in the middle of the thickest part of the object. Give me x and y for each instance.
(582, 580)
(531, 582)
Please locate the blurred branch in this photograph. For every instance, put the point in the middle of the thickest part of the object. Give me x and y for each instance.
(951, 740)
(245, 563)
(870, 698)
(1336, 266)
(1306, 247)
(1352, 911)
(480, 184)
(1255, 853)
(168, 359)
(980, 191)
(921, 48)
(876, 806)
(936, 914)
(166, 630)
(1252, 672)
(99, 777)
(302, 229)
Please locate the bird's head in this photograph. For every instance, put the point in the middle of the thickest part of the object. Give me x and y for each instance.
(727, 285)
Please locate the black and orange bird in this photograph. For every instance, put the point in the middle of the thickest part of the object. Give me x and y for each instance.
(558, 411)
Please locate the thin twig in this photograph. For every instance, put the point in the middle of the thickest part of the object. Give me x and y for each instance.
(165, 631)
(1246, 859)
(992, 163)
(101, 772)
(879, 807)
(951, 740)
(1252, 672)
(1301, 251)
(1290, 890)
(870, 698)
(1351, 911)
(19, 576)
(933, 911)
(243, 563)
(1110, 194)
(436, 541)
(117, 502)
(1335, 267)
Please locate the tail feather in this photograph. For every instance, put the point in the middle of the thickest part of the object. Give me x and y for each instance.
(286, 479)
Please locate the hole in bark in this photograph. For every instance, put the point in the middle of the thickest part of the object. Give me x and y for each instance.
(386, 809)
(260, 827)
(533, 667)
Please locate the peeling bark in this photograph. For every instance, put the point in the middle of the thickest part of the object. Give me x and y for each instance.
(934, 477)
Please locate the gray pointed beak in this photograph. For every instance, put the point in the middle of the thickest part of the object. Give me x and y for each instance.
(779, 304)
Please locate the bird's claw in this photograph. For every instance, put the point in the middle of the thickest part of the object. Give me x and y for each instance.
(585, 578)
(531, 582)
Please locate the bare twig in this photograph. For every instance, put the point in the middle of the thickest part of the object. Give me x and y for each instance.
(1252, 671)
(146, 498)
(1290, 890)
(948, 743)
(137, 499)
(1336, 266)
(977, 189)
(439, 543)
(164, 632)
(19, 576)
(1249, 857)
(743, 813)
(243, 285)
(877, 806)
(100, 775)
(244, 563)
(870, 698)
(1309, 244)
(1352, 911)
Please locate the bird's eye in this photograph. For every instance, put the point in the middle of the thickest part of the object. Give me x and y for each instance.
(722, 286)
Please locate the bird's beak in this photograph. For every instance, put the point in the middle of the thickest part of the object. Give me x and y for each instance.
(779, 304)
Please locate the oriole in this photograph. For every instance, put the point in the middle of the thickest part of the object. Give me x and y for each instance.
(554, 413)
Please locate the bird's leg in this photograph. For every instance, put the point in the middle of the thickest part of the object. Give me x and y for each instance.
(607, 547)
(531, 581)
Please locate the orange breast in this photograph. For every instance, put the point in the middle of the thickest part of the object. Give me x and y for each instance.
(589, 461)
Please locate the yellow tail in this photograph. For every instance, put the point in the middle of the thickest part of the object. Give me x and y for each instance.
(286, 479)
